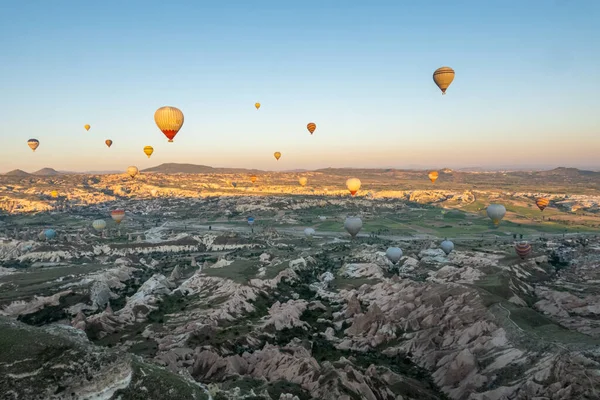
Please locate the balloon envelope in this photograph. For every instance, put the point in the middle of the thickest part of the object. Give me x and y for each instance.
(169, 120)
(496, 212)
(250, 221)
(542, 203)
(394, 254)
(33, 144)
(443, 77)
(257, 105)
(50, 234)
(353, 225)
(108, 142)
(148, 150)
(433, 175)
(132, 171)
(309, 232)
(353, 185)
(118, 215)
(253, 178)
(99, 224)
(303, 181)
(447, 246)
(87, 127)
(277, 155)
(523, 249)
(54, 193)
(311, 127)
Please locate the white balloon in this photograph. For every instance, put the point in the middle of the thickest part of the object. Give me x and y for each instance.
(132, 171)
(496, 212)
(447, 246)
(99, 224)
(322, 218)
(353, 225)
(309, 232)
(394, 254)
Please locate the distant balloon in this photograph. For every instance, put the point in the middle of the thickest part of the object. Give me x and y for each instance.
(257, 105)
(117, 215)
(433, 175)
(394, 254)
(148, 150)
(132, 171)
(169, 120)
(250, 221)
(311, 127)
(443, 77)
(309, 232)
(322, 218)
(33, 144)
(234, 184)
(87, 127)
(542, 203)
(496, 212)
(303, 181)
(50, 234)
(253, 178)
(99, 224)
(154, 192)
(523, 249)
(277, 155)
(353, 185)
(447, 246)
(54, 193)
(108, 142)
(353, 225)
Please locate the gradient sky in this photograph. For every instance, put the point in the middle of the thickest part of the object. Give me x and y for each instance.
(526, 91)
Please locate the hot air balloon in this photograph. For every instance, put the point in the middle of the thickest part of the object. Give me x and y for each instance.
(311, 127)
(447, 246)
(353, 184)
(250, 221)
(523, 249)
(87, 127)
(108, 142)
(148, 150)
(54, 193)
(117, 215)
(433, 175)
(303, 181)
(257, 105)
(394, 254)
(309, 232)
(234, 184)
(277, 155)
(99, 225)
(542, 203)
(353, 225)
(132, 171)
(169, 120)
(443, 77)
(253, 178)
(154, 192)
(496, 212)
(33, 144)
(50, 234)
(322, 217)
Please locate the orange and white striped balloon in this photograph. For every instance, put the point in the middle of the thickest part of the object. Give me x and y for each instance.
(311, 127)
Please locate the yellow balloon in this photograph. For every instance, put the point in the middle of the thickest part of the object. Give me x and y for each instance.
(257, 105)
(353, 185)
(87, 127)
(433, 175)
(148, 150)
(169, 120)
(33, 144)
(277, 155)
(443, 77)
(54, 194)
(303, 181)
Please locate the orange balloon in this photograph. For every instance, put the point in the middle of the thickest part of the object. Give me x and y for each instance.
(87, 127)
(542, 203)
(253, 178)
(311, 127)
(108, 142)
(433, 175)
(277, 155)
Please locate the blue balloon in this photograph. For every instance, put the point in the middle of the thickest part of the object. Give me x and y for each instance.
(250, 220)
(50, 234)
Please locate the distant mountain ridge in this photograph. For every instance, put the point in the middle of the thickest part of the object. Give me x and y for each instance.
(46, 172)
(175, 168)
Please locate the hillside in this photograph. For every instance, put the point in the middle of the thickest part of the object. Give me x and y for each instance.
(175, 168)
(46, 172)
(17, 172)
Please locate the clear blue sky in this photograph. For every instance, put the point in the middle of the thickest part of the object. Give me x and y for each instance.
(526, 91)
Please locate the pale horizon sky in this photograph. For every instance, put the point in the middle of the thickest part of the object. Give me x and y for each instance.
(525, 92)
